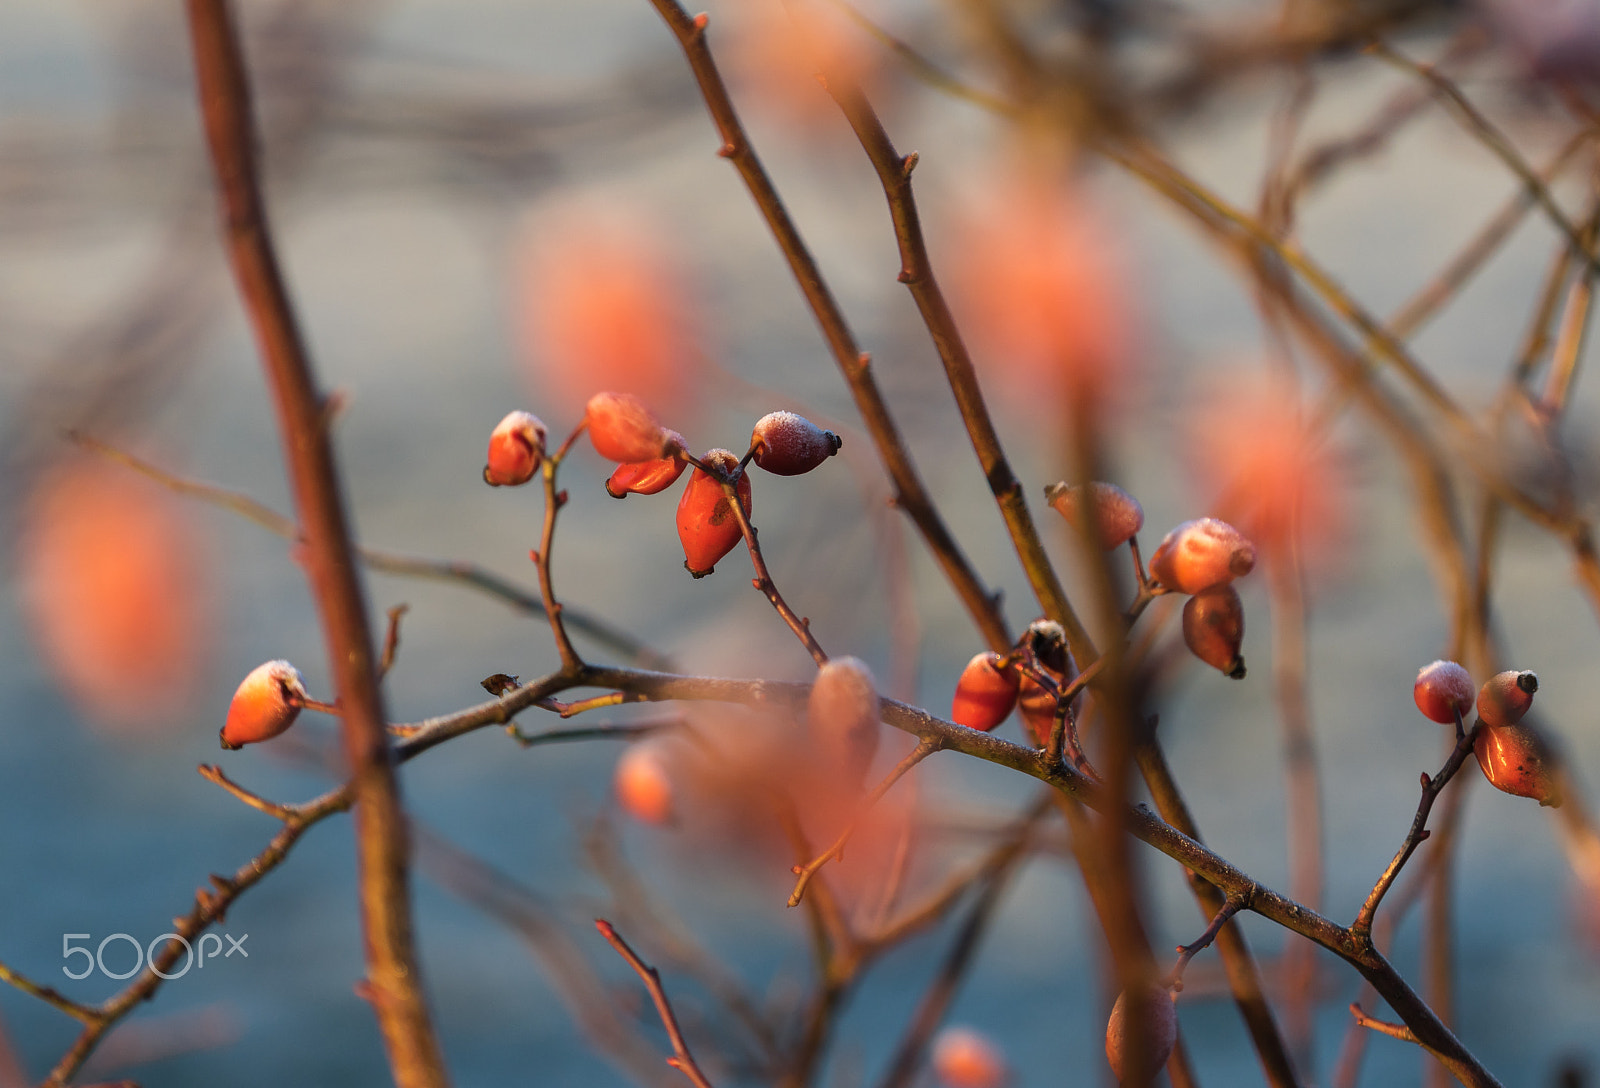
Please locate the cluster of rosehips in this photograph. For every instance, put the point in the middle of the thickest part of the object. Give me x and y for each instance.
(1514, 756)
(650, 458)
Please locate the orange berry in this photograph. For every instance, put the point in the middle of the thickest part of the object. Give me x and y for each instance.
(1516, 759)
(624, 429)
(649, 477)
(1213, 628)
(788, 445)
(1200, 554)
(264, 705)
(642, 784)
(1037, 703)
(842, 712)
(516, 449)
(964, 1058)
(1442, 691)
(985, 693)
(707, 526)
(1117, 514)
(1505, 697)
(1159, 1036)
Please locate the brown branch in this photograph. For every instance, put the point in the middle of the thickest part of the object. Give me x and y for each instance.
(1396, 1031)
(553, 502)
(763, 579)
(394, 974)
(50, 996)
(391, 640)
(681, 1058)
(1230, 906)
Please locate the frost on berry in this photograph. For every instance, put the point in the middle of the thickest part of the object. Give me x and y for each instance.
(1117, 515)
(707, 527)
(1505, 697)
(1516, 759)
(985, 693)
(1200, 554)
(964, 1058)
(516, 450)
(624, 429)
(786, 444)
(1160, 1034)
(1443, 691)
(1213, 628)
(842, 712)
(265, 704)
(650, 477)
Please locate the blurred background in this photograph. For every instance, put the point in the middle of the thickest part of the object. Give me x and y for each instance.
(482, 206)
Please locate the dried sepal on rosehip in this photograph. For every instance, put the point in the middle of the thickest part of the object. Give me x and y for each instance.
(516, 450)
(1213, 628)
(1516, 759)
(1200, 554)
(265, 704)
(1048, 643)
(650, 477)
(842, 712)
(786, 444)
(622, 428)
(1117, 514)
(1505, 697)
(707, 527)
(1443, 692)
(985, 693)
(1159, 1036)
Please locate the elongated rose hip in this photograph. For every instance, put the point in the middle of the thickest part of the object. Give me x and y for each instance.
(1159, 1036)
(624, 429)
(516, 450)
(650, 477)
(1117, 514)
(1213, 628)
(1200, 554)
(264, 704)
(707, 527)
(788, 445)
(1516, 759)
(1442, 691)
(1505, 697)
(985, 694)
(842, 712)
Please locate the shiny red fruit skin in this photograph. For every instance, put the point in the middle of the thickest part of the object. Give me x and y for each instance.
(1517, 760)
(1117, 514)
(788, 445)
(1442, 690)
(1159, 1037)
(263, 706)
(1213, 628)
(622, 428)
(985, 694)
(1506, 696)
(1200, 554)
(707, 527)
(649, 477)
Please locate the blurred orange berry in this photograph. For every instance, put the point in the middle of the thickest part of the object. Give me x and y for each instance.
(114, 582)
(779, 57)
(842, 712)
(643, 784)
(1117, 515)
(964, 1058)
(622, 428)
(1160, 1035)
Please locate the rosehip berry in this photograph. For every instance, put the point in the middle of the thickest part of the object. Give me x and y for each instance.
(1038, 704)
(1117, 514)
(1200, 554)
(1506, 696)
(1443, 691)
(963, 1058)
(788, 445)
(842, 712)
(265, 704)
(1516, 759)
(1213, 628)
(642, 785)
(707, 526)
(985, 693)
(624, 429)
(516, 449)
(1159, 1036)
(650, 477)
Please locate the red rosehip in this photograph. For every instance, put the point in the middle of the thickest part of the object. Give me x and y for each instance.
(985, 693)
(1213, 628)
(1037, 703)
(842, 712)
(624, 429)
(1442, 691)
(1159, 1036)
(788, 445)
(1117, 514)
(650, 477)
(642, 784)
(707, 526)
(1506, 696)
(264, 704)
(516, 449)
(963, 1058)
(1516, 759)
(1200, 554)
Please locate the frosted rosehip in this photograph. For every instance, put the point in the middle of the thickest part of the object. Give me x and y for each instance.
(650, 477)
(624, 429)
(1213, 628)
(1117, 514)
(964, 1058)
(643, 785)
(1516, 759)
(707, 527)
(1038, 704)
(1159, 1036)
(1442, 691)
(788, 445)
(1506, 696)
(985, 693)
(265, 704)
(1200, 554)
(516, 449)
(842, 712)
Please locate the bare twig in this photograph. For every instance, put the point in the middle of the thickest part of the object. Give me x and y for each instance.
(391, 640)
(1186, 952)
(681, 1058)
(763, 579)
(1396, 1031)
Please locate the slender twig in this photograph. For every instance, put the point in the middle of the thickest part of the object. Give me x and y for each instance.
(212, 773)
(391, 640)
(394, 973)
(601, 731)
(50, 996)
(1397, 1031)
(805, 872)
(1230, 906)
(681, 1059)
(554, 500)
(763, 579)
